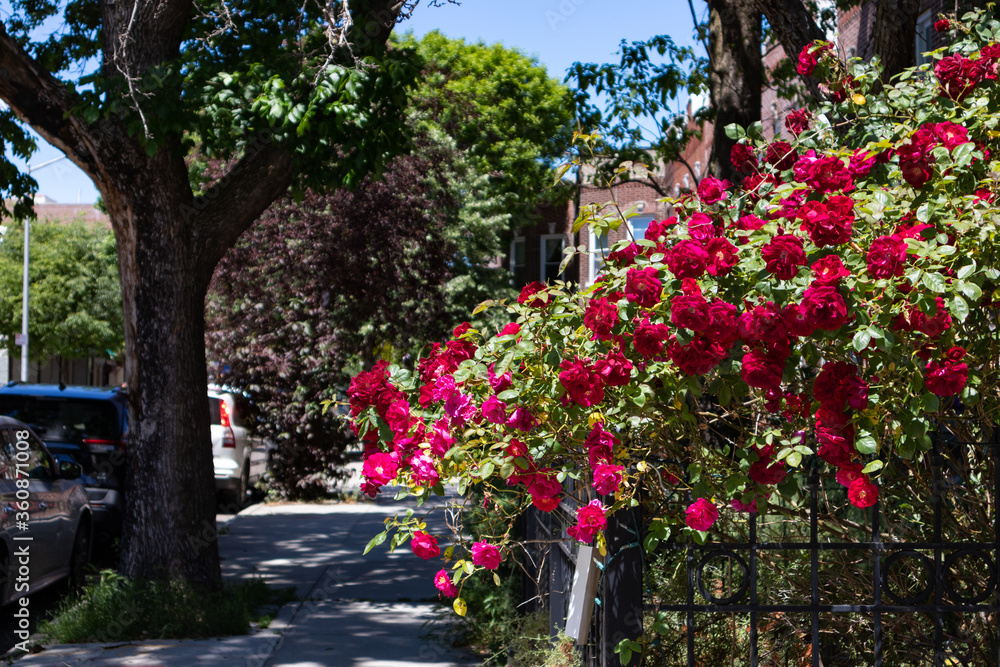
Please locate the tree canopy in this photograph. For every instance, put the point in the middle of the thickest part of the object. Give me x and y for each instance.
(319, 288)
(75, 306)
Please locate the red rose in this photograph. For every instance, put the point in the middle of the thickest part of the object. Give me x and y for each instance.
(823, 173)
(648, 338)
(862, 493)
(781, 155)
(690, 311)
(808, 57)
(607, 478)
(544, 491)
(824, 307)
(424, 545)
(711, 189)
(643, 286)
(763, 369)
(600, 446)
(941, 25)
(625, 256)
(494, 410)
(795, 320)
(743, 158)
(600, 317)
(797, 121)
(701, 227)
(590, 520)
(722, 256)
(887, 257)
(748, 223)
(767, 471)
(830, 222)
(659, 228)
(847, 474)
(945, 378)
(701, 514)
(697, 357)
(932, 326)
(582, 383)
(952, 135)
(533, 295)
(838, 383)
(783, 256)
(615, 370)
(862, 162)
(829, 270)
(723, 327)
(836, 444)
(687, 259)
(761, 323)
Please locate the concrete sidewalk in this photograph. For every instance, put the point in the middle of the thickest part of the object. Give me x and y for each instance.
(378, 610)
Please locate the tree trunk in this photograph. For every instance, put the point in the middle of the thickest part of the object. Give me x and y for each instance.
(170, 515)
(735, 82)
(893, 36)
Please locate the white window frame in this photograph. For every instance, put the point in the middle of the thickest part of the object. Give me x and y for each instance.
(592, 245)
(542, 240)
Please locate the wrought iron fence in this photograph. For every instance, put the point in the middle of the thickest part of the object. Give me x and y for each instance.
(919, 593)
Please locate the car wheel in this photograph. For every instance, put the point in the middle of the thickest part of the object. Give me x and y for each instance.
(240, 494)
(81, 556)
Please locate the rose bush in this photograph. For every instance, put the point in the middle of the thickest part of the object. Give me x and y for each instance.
(826, 311)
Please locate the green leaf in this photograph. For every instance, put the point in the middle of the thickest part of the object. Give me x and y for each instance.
(866, 443)
(960, 308)
(486, 470)
(930, 403)
(934, 281)
(970, 290)
(375, 541)
(735, 131)
(872, 467)
(508, 395)
(966, 270)
(862, 339)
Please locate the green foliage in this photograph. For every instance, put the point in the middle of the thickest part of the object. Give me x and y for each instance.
(75, 306)
(118, 609)
(503, 110)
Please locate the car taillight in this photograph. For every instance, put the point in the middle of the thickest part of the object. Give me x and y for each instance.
(102, 446)
(229, 438)
(223, 414)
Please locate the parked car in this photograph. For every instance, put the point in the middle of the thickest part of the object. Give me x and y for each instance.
(45, 524)
(85, 425)
(240, 455)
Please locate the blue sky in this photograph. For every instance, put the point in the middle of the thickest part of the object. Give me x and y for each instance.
(556, 32)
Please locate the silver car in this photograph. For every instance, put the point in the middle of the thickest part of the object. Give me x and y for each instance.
(239, 455)
(45, 519)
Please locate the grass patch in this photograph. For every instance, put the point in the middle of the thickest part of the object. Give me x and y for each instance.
(119, 609)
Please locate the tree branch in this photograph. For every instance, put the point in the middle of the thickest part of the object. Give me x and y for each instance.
(42, 101)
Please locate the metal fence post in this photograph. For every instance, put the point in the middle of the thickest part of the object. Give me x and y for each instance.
(622, 593)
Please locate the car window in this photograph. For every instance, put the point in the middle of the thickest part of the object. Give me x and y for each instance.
(33, 460)
(7, 470)
(65, 419)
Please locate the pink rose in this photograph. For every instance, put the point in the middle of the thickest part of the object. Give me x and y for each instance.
(862, 493)
(424, 470)
(486, 555)
(607, 478)
(380, 469)
(443, 583)
(648, 338)
(495, 410)
(424, 545)
(701, 515)
(946, 377)
(590, 519)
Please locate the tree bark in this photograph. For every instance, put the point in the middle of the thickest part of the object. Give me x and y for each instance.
(736, 78)
(893, 35)
(168, 246)
(794, 27)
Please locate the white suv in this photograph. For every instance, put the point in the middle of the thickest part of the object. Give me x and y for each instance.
(239, 455)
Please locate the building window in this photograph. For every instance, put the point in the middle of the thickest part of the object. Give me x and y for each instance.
(552, 256)
(925, 36)
(518, 262)
(600, 247)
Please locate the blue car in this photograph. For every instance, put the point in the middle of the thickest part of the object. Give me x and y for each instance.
(85, 425)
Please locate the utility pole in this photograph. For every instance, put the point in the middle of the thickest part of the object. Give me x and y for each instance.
(24, 288)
